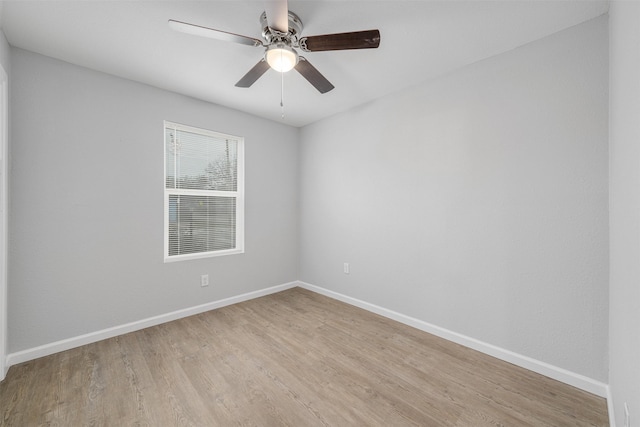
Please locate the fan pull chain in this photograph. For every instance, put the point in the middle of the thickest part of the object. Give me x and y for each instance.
(281, 88)
(282, 94)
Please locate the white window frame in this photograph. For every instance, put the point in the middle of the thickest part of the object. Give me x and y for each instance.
(238, 195)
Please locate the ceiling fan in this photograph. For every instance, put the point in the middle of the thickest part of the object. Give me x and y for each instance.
(281, 34)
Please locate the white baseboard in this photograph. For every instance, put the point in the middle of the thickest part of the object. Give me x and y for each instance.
(69, 343)
(576, 380)
(610, 407)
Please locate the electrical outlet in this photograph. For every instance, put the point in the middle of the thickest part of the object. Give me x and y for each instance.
(346, 268)
(627, 418)
(204, 280)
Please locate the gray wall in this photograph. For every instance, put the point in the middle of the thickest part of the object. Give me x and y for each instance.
(624, 134)
(6, 66)
(476, 202)
(86, 248)
(4, 46)
(5, 53)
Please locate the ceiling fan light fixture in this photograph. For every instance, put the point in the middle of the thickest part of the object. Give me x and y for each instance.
(281, 57)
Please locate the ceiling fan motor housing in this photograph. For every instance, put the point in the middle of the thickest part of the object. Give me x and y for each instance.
(290, 37)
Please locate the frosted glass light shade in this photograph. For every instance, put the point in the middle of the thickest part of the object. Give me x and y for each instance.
(281, 57)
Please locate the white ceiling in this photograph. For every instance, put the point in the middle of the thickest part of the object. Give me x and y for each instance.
(420, 40)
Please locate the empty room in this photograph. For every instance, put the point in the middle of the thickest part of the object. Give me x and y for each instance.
(320, 213)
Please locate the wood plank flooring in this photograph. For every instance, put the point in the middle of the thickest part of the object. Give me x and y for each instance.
(294, 358)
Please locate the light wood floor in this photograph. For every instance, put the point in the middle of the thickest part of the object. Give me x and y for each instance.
(295, 358)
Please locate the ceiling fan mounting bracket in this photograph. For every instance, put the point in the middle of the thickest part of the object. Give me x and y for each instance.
(290, 37)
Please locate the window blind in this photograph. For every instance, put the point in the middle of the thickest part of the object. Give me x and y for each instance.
(203, 193)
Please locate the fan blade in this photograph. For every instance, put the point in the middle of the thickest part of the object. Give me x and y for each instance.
(254, 74)
(277, 15)
(313, 76)
(368, 39)
(197, 30)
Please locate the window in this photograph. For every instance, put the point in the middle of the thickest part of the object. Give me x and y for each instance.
(204, 193)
